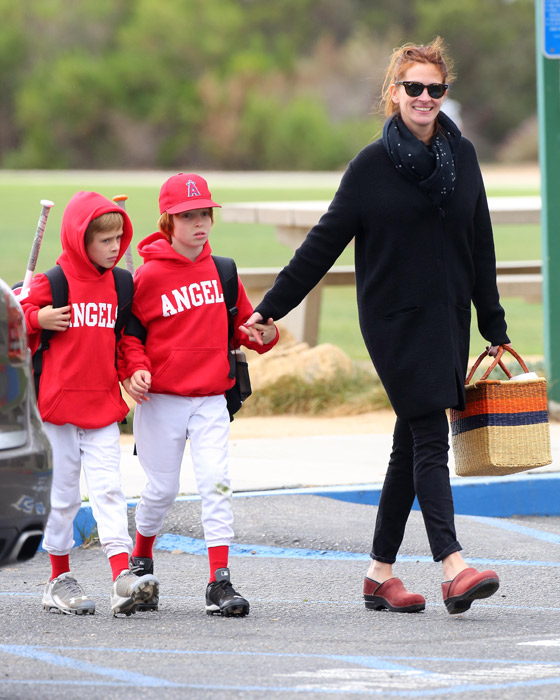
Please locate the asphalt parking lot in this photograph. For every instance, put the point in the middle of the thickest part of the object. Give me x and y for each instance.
(300, 560)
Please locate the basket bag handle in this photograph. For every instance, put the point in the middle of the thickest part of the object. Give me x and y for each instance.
(497, 361)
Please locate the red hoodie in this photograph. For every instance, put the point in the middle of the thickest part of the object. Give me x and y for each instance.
(181, 305)
(79, 383)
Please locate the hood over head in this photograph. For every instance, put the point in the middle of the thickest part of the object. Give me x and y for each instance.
(80, 210)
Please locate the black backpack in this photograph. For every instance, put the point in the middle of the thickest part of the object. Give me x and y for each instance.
(238, 367)
(59, 288)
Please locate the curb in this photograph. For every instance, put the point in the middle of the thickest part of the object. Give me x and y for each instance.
(493, 497)
(497, 497)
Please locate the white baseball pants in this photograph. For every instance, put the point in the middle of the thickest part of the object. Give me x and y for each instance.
(161, 428)
(97, 450)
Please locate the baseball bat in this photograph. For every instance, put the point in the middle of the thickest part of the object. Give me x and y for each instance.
(120, 199)
(46, 205)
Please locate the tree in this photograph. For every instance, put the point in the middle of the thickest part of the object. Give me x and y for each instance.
(240, 83)
(493, 44)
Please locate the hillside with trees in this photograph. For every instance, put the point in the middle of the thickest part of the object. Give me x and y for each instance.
(243, 84)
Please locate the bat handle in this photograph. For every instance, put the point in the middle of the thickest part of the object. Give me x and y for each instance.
(24, 291)
(46, 205)
(129, 262)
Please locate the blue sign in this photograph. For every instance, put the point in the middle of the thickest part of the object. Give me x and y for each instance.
(551, 39)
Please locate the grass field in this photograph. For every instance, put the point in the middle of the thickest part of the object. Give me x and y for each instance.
(251, 245)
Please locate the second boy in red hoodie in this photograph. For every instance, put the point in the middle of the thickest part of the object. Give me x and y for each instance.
(178, 367)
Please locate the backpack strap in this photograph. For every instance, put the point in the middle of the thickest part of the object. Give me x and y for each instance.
(227, 272)
(59, 286)
(124, 285)
(134, 327)
(59, 291)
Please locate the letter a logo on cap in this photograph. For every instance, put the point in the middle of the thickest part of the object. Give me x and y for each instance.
(173, 198)
(192, 189)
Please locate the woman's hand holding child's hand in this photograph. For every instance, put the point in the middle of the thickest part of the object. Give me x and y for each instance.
(54, 319)
(258, 331)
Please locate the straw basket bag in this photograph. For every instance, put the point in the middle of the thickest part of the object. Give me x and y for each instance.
(504, 427)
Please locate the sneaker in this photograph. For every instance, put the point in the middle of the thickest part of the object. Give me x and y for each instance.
(65, 595)
(142, 566)
(129, 591)
(221, 598)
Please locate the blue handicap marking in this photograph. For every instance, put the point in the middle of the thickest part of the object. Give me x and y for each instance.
(551, 28)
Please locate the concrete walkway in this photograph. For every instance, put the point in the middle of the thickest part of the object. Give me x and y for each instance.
(258, 464)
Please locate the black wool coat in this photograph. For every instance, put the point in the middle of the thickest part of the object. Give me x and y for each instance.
(418, 268)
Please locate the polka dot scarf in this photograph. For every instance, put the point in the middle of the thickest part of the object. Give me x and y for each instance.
(431, 167)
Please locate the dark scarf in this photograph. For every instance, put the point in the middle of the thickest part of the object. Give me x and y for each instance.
(431, 167)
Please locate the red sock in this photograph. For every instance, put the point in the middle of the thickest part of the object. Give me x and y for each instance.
(59, 564)
(143, 546)
(218, 559)
(119, 563)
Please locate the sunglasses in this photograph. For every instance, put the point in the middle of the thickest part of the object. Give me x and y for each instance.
(412, 89)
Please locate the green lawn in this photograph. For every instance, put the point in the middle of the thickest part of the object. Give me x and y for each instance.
(251, 245)
(339, 325)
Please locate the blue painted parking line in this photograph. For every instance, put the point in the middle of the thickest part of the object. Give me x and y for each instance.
(46, 655)
(308, 673)
(192, 545)
(550, 537)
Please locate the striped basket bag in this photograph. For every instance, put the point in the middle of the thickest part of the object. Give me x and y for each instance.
(504, 427)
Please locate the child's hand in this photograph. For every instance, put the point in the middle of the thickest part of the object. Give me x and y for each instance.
(138, 385)
(54, 319)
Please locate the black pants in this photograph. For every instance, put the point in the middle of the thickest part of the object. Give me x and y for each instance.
(418, 467)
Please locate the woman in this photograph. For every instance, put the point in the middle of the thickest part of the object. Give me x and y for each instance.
(414, 202)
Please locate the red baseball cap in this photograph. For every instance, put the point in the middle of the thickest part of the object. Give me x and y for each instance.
(184, 192)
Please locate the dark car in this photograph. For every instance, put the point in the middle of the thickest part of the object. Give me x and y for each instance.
(25, 451)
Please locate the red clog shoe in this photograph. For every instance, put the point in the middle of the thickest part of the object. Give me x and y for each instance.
(467, 586)
(391, 595)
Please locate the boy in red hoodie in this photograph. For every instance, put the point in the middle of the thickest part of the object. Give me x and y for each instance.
(80, 401)
(177, 362)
